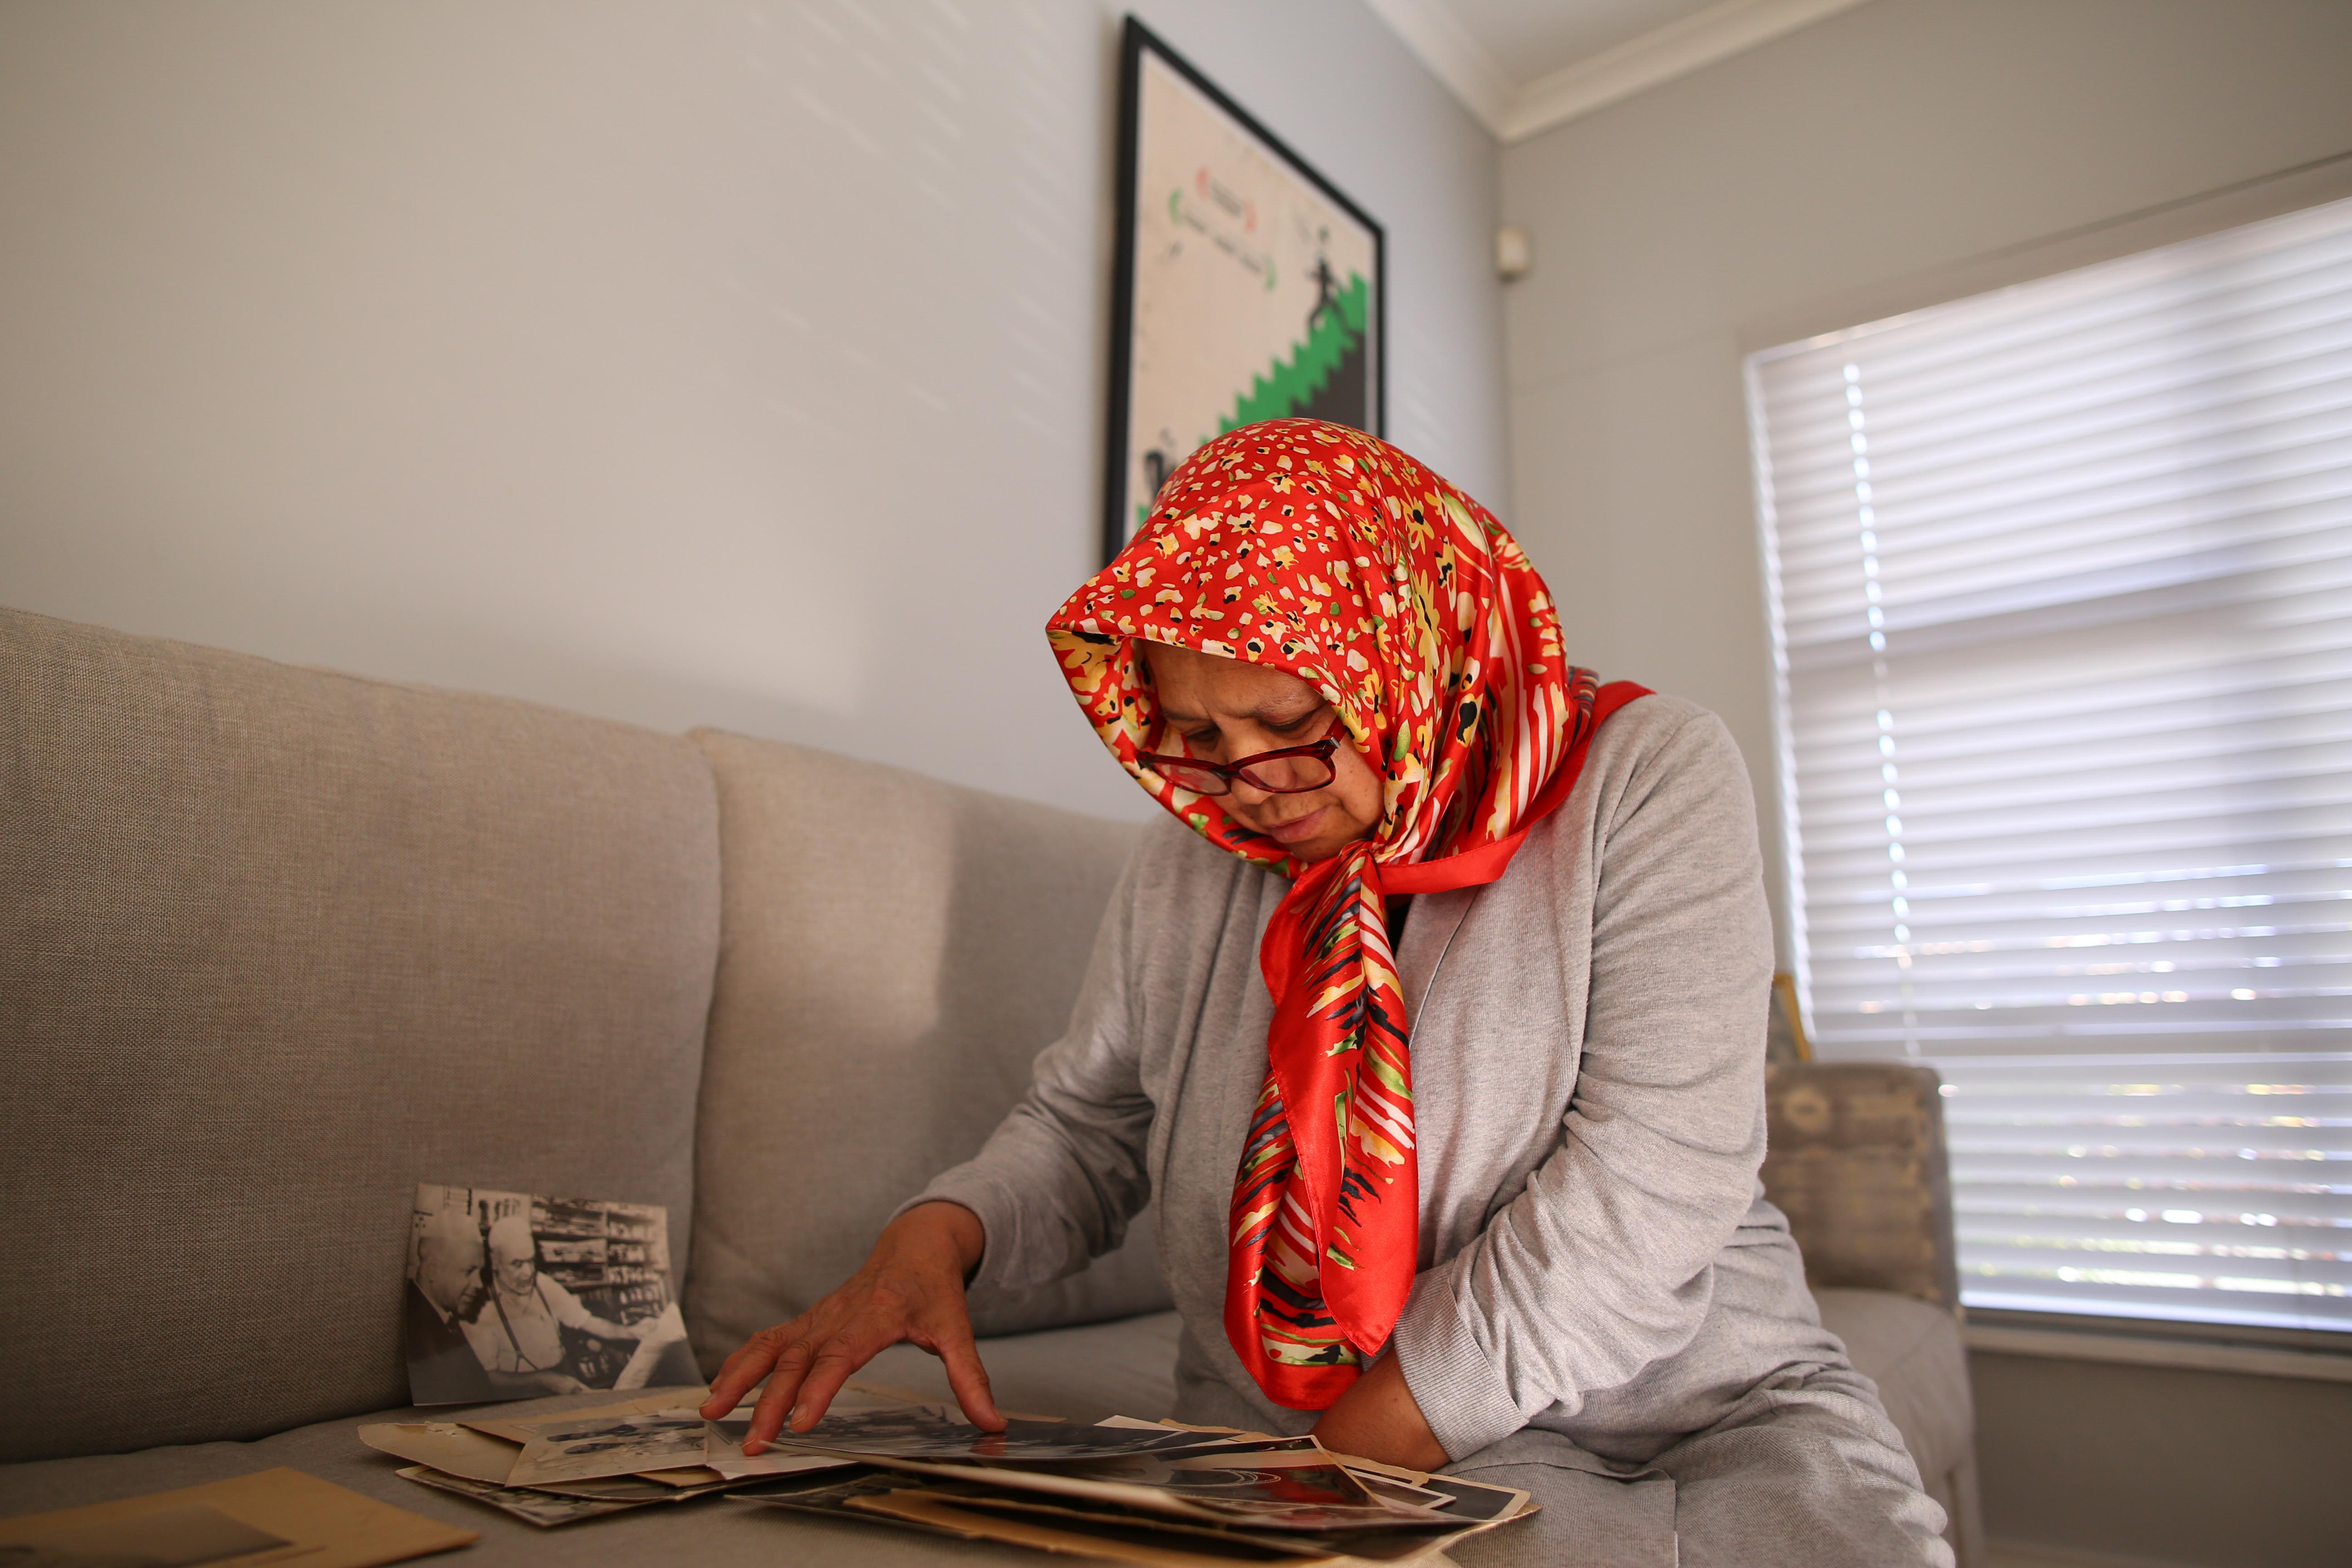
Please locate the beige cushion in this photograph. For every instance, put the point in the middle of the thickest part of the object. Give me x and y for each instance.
(897, 951)
(1856, 1162)
(1914, 1352)
(275, 945)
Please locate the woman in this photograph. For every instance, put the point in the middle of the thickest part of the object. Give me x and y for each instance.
(1435, 1022)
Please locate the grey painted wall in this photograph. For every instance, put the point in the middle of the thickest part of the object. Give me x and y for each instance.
(698, 362)
(2164, 1466)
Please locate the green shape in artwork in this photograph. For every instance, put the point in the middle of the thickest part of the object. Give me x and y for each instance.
(1296, 381)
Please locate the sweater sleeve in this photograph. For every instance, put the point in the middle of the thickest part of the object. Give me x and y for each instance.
(1602, 1264)
(1057, 1183)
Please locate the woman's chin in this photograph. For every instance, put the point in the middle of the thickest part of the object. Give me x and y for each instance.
(1315, 850)
(1322, 840)
(1303, 832)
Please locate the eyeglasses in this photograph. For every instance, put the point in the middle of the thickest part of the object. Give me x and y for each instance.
(1292, 769)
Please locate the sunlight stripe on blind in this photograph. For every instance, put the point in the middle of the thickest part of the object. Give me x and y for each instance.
(2061, 585)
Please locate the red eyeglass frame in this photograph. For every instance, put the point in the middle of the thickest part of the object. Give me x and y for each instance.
(1231, 773)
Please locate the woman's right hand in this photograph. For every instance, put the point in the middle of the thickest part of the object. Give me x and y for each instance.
(911, 1287)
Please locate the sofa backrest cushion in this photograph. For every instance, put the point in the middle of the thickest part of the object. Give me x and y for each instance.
(275, 946)
(895, 952)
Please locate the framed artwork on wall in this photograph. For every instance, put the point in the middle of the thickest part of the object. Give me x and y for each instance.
(1247, 286)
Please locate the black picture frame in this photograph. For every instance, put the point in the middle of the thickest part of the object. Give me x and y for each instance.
(1136, 40)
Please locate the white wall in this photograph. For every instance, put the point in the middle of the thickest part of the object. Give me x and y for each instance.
(680, 361)
(1892, 155)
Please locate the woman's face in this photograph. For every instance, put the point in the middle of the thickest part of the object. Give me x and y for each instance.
(1223, 710)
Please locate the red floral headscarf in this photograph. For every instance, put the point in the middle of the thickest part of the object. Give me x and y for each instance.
(1318, 550)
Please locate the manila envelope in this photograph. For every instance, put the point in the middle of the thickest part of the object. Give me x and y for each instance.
(517, 1429)
(271, 1517)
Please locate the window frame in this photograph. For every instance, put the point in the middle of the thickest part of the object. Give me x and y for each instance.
(2321, 1353)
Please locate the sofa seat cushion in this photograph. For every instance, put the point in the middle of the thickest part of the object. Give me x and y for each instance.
(1102, 1369)
(1913, 1351)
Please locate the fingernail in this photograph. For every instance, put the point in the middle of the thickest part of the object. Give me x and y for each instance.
(794, 1420)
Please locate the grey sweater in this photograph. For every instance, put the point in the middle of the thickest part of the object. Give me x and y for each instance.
(1587, 1055)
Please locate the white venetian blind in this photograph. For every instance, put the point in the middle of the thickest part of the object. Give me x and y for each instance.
(2061, 584)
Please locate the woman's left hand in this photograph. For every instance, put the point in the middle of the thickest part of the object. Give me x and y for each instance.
(1377, 1418)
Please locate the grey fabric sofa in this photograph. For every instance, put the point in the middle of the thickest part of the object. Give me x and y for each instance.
(275, 944)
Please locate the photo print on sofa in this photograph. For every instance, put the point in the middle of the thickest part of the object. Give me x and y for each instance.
(513, 1296)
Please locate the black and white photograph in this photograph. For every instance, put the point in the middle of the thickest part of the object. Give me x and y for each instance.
(840, 1498)
(546, 1510)
(1373, 1545)
(1280, 1485)
(1288, 1484)
(1388, 1489)
(584, 1448)
(722, 1450)
(921, 1432)
(516, 1296)
(1474, 1500)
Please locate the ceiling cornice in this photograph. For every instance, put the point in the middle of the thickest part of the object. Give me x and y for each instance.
(1676, 49)
(1458, 58)
(1514, 111)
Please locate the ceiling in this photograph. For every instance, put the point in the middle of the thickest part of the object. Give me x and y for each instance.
(1523, 66)
(1540, 37)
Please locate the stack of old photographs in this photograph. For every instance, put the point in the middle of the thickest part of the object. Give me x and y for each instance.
(1127, 1490)
(559, 1470)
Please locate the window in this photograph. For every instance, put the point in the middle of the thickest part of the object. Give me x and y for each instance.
(2061, 585)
